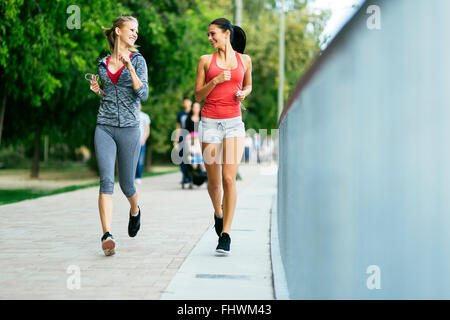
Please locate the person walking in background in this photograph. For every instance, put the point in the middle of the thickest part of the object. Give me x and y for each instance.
(270, 148)
(224, 79)
(248, 147)
(193, 118)
(195, 169)
(124, 78)
(196, 152)
(178, 142)
(257, 142)
(144, 126)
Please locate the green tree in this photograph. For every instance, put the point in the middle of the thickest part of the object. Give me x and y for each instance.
(261, 24)
(9, 10)
(45, 65)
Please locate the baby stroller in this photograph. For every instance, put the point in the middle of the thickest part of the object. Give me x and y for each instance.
(195, 167)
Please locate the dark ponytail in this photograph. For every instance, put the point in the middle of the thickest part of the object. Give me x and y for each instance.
(238, 38)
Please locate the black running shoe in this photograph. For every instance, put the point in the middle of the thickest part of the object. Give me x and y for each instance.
(108, 244)
(218, 224)
(224, 243)
(134, 224)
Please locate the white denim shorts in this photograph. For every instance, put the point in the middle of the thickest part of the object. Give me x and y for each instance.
(215, 130)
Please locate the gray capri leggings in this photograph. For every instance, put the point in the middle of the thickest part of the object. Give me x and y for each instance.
(125, 143)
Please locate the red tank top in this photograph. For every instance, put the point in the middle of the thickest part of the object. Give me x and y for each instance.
(221, 102)
(115, 76)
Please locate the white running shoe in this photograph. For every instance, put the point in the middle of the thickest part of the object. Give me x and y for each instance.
(108, 244)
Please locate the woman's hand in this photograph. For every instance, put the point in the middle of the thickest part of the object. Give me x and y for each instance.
(240, 96)
(224, 76)
(125, 60)
(94, 86)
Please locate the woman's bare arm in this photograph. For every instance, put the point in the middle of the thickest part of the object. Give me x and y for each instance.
(247, 82)
(202, 89)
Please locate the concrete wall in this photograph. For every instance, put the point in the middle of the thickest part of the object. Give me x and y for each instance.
(364, 165)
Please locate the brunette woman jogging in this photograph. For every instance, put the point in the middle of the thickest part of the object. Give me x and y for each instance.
(224, 79)
(124, 79)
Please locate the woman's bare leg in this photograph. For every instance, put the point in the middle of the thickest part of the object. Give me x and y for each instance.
(233, 148)
(211, 153)
(105, 206)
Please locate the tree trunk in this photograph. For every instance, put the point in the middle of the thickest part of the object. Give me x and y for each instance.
(2, 111)
(46, 148)
(37, 149)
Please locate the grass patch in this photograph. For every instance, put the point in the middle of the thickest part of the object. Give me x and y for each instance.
(16, 195)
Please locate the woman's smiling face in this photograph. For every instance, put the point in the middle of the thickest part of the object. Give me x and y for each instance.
(216, 36)
(129, 33)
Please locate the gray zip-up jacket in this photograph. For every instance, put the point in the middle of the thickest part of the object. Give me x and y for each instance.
(119, 106)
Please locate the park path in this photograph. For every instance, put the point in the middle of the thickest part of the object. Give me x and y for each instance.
(47, 242)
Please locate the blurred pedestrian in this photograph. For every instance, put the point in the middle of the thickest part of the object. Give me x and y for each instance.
(144, 126)
(257, 143)
(179, 135)
(248, 147)
(193, 119)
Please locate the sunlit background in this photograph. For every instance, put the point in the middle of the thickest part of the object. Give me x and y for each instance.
(48, 113)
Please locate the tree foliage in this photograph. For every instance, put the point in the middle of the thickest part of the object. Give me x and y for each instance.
(43, 62)
(302, 30)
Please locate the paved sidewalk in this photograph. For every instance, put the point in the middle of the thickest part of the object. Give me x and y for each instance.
(43, 242)
(246, 273)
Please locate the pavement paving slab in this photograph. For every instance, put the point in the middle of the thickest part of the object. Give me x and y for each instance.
(50, 247)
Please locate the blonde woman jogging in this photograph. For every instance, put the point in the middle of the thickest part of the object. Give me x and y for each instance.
(124, 79)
